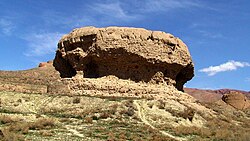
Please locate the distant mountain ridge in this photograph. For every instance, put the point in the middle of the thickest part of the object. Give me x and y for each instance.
(212, 95)
(46, 73)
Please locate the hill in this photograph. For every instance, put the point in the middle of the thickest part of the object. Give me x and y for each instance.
(117, 84)
(29, 113)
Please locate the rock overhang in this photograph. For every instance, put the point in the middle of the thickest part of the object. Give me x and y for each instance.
(128, 53)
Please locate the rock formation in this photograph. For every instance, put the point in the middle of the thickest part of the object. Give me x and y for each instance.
(236, 99)
(45, 64)
(128, 53)
(42, 64)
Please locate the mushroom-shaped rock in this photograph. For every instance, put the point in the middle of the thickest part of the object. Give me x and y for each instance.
(236, 99)
(128, 53)
(42, 64)
(45, 64)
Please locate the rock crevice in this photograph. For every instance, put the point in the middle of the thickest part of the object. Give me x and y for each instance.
(128, 53)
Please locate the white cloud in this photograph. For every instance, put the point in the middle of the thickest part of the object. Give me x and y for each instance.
(42, 44)
(96, 14)
(165, 5)
(92, 14)
(131, 11)
(210, 34)
(112, 11)
(228, 66)
(6, 27)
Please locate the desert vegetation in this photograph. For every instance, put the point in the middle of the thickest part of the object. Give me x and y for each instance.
(131, 101)
(109, 119)
(16, 129)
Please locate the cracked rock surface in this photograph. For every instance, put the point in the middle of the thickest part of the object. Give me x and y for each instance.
(127, 53)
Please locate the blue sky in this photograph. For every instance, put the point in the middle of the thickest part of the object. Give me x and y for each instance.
(217, 32)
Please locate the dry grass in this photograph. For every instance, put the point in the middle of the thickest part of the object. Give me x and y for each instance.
(76, 100)
(116, 130)
(118, 120)
(6, 119)
(24, 127)
(223, 129)
(11, 136)
(184, 130)
(42, 123)
(16, 130)
(88, 120)
(188, 113)
(46, 133)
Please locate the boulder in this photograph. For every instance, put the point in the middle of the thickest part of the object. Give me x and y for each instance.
(127, 53)
(45, 64)
(236, 99)
(42, 64)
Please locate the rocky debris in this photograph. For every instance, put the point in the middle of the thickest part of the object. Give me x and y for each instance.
(112, 86)
(236, 99)
(45, 64)
(42, 64)
(128, 53)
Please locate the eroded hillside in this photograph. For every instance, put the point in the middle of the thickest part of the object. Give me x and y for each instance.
(90, 103)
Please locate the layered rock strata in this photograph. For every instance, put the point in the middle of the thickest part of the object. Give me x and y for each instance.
(127, 53)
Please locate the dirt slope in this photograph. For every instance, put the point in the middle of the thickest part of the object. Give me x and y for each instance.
(103, 113)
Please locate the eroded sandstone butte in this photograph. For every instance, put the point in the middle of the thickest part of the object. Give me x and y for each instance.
(128, 53)
(236, 99)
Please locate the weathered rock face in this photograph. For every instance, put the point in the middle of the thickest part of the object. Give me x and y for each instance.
(236, 99)
(45, 64)
(128, 53)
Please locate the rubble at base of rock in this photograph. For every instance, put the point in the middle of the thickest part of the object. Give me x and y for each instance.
(127, 53)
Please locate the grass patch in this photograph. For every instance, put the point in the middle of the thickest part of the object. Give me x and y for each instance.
(17, 130)
(4, 119)
(124, 130)
(188, 113)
